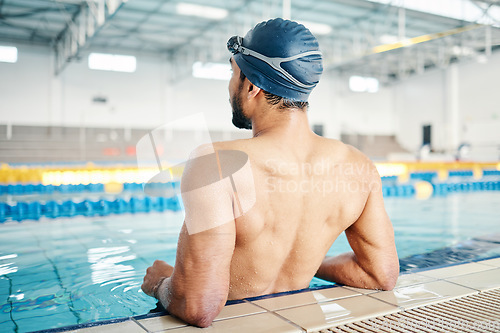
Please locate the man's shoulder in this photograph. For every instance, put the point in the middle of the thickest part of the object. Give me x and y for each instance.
(240, 144)
(212, 162)
(343, 151)
(352, 159)
(356, 155)
(364, 164)
(210, 148)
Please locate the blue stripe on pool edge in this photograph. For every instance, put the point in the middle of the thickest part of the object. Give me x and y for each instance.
(431, 268)
(87, 325)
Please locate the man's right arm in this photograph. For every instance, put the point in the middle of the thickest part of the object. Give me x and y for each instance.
(196, 289)
(374, 263)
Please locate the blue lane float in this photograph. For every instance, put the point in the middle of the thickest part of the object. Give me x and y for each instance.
(24, 189)
(425, 176)
(491, 172)
(52, 209)
(439, 189)
(460, 173)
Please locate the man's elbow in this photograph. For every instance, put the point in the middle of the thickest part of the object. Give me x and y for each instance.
(388, 283)
(201, 314)
(200, 319)
(388, 277)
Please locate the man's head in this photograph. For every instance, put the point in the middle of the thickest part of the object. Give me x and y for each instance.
(280, 57)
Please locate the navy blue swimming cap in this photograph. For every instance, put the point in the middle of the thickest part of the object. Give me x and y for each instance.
(281, 57)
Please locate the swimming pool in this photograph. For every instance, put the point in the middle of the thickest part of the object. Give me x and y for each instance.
(65, 271)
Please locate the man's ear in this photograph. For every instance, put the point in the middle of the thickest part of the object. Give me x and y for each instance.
(252, 90)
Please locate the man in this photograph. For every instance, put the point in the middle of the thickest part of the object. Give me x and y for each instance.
(307, 191)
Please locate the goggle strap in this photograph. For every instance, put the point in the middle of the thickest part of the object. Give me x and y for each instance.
(275, 62)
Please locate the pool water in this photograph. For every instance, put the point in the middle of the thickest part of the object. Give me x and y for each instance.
(59, 272)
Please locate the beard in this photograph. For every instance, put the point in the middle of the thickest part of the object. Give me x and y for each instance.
(239, 118)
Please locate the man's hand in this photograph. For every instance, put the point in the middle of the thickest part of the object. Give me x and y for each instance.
(155, 275)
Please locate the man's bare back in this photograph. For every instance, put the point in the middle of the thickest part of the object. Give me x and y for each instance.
(308, 193)
(268, 228)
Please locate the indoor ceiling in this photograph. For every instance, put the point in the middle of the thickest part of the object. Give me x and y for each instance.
(372, 38)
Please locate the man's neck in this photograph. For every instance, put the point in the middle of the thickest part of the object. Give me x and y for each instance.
(281, 123)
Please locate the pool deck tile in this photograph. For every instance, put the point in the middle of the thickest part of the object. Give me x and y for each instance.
(238, 310)
(406, 280)
(481, 281)
(161, 323)
(262, 322)
(452, 271)
(423, 294)
(361, 290)
(305, 298)
(321, 316)
(491, 262)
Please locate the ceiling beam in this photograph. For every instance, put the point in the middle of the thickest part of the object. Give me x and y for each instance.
(81, 28)
(402, 62)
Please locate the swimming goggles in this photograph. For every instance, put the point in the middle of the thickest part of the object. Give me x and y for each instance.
(235, 45)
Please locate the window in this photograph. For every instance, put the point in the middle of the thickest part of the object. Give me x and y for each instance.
(210, 70)
(363, 84)
(112, 62)
(317, 28)
(8, 54)
(190, 9)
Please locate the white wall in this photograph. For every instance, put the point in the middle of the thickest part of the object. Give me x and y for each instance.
(460, 102)
(25, 93)
(31, 95)
(324, 108)
(367, 113)
(133, 99)
(480, 101)
(420, 101)
(202, 95)
(343, 111)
